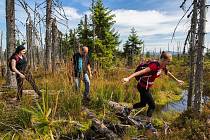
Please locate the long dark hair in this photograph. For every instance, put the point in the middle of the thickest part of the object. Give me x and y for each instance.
(19, 49)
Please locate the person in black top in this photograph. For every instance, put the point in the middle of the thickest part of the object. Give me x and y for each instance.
(19, 67)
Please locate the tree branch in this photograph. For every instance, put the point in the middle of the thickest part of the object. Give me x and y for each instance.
(180, 21)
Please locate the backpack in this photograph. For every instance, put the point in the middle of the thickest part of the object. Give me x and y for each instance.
(79, 64)
(143, 66)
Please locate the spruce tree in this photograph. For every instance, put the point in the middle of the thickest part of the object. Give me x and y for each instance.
(133, 46)
(106, 39)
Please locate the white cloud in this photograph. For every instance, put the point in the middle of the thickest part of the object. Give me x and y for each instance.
(72, 13)
(147, 22)
(73, 17)
(141, 18)
(155, 27)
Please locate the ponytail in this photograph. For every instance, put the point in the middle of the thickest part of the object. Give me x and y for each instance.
(162, 55)
(165, 55)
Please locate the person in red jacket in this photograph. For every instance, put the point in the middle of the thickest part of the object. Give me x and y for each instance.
(146, 80)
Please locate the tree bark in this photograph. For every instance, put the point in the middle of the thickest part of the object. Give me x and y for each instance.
(192, 55)
(48, 64)
(94, 49)
(60, 47)
(199, 60)
(1, 53)
(41, 52)
(10, 34)
(85, 32)
(35, 48)
(55, 45)
(29, 43)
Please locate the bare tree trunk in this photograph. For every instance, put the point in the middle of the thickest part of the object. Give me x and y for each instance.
(85, 32)
(34, 56)
(48, 64)
(94, 49)
(60, 47)
(37, 55)
(34, 40)
(41, 56)
(10, 24)
(75, 41)
(55, 45)
(29, 42)
(1, 57)
(199, 61)
(192, 55)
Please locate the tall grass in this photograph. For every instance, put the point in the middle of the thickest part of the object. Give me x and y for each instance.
(64, 103)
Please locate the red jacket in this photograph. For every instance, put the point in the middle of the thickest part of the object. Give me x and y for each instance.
(147, 80)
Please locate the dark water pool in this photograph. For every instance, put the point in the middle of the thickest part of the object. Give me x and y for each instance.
(181, 105)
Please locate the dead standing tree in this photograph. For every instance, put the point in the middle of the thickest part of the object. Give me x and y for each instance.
(1, 54)
(48, 42)
(55, 45)
(2, 58)
(10, 35)
(30, 34)
(29, 42)
(61, 58)
(192, 42)
(197, 39)
(35, 38)
(48, 38)
(200, 58)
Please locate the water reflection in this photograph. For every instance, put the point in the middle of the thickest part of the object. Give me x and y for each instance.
(181, 105)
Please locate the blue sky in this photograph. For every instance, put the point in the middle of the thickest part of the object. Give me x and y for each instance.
(154, 20)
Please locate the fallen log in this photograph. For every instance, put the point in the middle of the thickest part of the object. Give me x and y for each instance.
(122, 115)
(100, 126)
(118, 107)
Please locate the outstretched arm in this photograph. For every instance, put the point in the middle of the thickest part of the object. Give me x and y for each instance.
(141, 72)
(173, 77)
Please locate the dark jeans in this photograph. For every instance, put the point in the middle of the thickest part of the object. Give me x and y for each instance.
(146, 98)
(29, 78)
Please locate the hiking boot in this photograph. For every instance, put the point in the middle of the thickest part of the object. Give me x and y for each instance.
(151, 127)
(86, 98)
